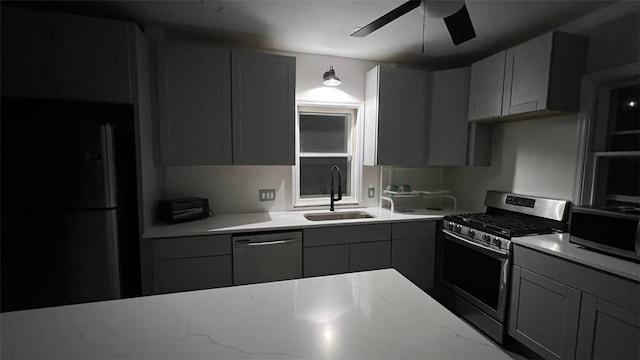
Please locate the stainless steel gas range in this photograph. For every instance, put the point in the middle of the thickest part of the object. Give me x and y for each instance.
(474, 255)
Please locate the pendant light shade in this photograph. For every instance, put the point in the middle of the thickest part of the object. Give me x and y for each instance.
(330, 78)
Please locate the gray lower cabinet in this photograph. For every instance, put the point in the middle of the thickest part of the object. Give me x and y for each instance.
(325, 260)
(544, 314)
(607, 331)
(191, 263)
(191, 274)
(342, 249)
(370, 256)
(561, 309)
(413, 251)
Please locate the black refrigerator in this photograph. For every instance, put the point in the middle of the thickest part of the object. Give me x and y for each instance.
(67, 232)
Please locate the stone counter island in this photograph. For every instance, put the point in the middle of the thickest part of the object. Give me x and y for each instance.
(367, 315)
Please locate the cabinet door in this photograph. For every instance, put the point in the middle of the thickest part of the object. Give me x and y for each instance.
(194, 104)
(191, 274)
(607, 331)
(413, 251)
(370, 256)
(92, 58)
(447, 140)
(544, 314)
(28, 64)
(325, 260)
(401, 115)
(527, 71)
(485, 94)
(263, 104)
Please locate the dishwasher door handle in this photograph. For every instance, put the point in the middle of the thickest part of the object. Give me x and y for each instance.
(266, 243)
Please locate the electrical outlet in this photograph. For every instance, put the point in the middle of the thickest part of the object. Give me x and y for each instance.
(372, 192)
(267, 194)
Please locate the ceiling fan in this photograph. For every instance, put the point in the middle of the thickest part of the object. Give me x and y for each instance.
(454, 13)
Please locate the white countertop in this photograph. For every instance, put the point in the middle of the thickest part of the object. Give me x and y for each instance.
(375, 314)
(559, 245)
(229, 223)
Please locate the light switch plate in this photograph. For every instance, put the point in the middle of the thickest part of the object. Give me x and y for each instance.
(372, 192)
(267, 195)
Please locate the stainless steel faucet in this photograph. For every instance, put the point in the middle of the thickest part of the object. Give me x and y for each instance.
(333, 199)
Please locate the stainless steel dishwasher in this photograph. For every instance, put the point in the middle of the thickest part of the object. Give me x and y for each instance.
(267, 257)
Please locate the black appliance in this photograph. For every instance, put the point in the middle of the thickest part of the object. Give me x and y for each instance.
(186, 209)
(69, 203)
(612, 229)
(474, 255)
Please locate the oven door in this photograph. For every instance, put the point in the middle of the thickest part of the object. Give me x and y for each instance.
(477, 273)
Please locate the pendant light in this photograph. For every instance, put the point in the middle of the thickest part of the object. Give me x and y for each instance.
(330, 78)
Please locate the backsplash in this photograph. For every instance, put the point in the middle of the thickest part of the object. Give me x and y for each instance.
(235, 189)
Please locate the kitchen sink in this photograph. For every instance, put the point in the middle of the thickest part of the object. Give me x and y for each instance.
(338, 216)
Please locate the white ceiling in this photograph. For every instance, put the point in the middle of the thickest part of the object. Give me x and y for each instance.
(323, 26)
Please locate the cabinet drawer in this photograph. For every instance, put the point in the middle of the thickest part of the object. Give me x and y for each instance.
(346, 234)
(191, 274)
(326, 260)
(609, 287)
(412, 229)
(192, 246)
(370, 256)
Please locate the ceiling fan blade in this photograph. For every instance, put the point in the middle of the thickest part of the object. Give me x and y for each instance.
(460, 26)
(387, 18)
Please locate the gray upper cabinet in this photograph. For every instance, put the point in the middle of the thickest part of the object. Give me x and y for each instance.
(194, 93)
(263, 104)
(540, 77)
(222, 107)
(486, 88)
(92, 58)
(544, 74)
(395, 113)
(65, 56)
(28, 61)
(447, 124)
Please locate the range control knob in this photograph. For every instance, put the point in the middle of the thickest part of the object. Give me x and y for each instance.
(496, 242)
(471, 232)
(458, 228)
(486, 237)
(450, 225)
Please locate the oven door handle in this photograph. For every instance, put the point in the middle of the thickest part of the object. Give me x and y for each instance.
(463, 241)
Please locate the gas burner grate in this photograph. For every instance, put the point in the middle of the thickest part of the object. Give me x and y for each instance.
(506, 226)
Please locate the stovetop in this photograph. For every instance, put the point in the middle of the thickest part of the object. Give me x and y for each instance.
(504, 226)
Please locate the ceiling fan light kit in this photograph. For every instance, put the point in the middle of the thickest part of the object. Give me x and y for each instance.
(454, 13)
(330, 78)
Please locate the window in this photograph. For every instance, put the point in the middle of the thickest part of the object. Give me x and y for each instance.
(613, 161)
(327, 135)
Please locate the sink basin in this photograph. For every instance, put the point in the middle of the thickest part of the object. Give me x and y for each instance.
(338, 216)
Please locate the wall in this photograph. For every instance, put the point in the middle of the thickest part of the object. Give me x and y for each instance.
(534, 157)
(234, 189)
(538, 157)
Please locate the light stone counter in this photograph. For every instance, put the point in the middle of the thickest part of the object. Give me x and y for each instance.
(376, 314)
(559, 245)
(235, 223)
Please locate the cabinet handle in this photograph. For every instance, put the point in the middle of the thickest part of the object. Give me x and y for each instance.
(277, 242)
